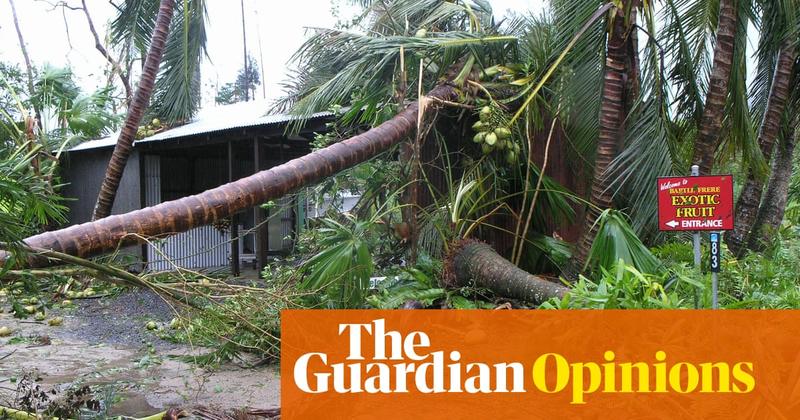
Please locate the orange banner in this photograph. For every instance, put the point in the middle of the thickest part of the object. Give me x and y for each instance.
(365, 364)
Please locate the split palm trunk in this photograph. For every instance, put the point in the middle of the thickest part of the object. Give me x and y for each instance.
(770, 215)
(473, 263)
(124, 145)
(750, 198)
(612, 110)
(104, 235)
(708, 139)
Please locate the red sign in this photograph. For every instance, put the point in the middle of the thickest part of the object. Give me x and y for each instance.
(695, 203)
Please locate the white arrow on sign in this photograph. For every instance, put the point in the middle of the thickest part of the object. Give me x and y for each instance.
(673, 224)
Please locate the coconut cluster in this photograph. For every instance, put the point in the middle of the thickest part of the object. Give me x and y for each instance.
(494, 136)
(149, 129)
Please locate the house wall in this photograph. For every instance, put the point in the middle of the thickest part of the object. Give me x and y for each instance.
(83, 172)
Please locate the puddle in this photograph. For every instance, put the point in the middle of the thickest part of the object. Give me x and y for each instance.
(133, 405)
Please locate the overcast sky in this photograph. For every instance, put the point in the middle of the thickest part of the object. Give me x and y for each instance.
(61, 37)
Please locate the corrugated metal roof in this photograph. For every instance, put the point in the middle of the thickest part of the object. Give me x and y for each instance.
(96, 144)
(210, 120)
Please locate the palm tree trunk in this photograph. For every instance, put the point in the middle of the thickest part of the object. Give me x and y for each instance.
(124, 146)
(750, 198)
(612, 113)
(104, 235)
(473, 263)
(708, 134)
(770, 215)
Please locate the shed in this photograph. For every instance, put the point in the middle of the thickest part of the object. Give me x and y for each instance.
(221, 145)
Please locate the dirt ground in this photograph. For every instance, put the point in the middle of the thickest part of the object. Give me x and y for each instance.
(104, 342)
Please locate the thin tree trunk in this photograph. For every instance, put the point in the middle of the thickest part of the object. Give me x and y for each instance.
(122, 150)
(100, 236)
(116, 68)
(612, 113)
(474, 263)
(708, 134)
(28, 67)
(406, 229)
(770, 215)
(750, 198)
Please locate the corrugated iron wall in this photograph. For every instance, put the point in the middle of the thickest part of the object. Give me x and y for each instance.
(202, 247)
(281, 225)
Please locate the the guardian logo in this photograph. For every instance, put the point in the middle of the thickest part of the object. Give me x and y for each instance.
(403, 364)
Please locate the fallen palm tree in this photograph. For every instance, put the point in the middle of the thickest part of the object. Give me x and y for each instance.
(473, 263)
(171, 217)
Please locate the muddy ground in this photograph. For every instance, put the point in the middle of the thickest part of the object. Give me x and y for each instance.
(104, 342)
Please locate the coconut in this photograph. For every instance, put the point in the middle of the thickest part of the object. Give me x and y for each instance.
(485, 114)
(55, 322)
(479, 138)
(151, 325)
(502, 132)
(5, 331)
(421, 33)
(88, 292)
(486, 148)
(30, 309)
(478, 126)
(491, 139)
(511, 157)
(39, 316)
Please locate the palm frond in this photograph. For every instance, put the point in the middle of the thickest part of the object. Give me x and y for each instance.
(26, 200)
(176, 95)
(739, 136)
(133, 26)
(360, 70)
(617, 241)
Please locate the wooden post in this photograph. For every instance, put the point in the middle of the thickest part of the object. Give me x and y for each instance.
(143, 202)
(235, 269)
(261, 233)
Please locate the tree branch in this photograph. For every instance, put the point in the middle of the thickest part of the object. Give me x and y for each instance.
(123, 76)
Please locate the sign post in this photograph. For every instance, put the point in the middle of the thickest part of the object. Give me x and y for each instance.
(715, 263)
(694, 204)
(696, 246)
